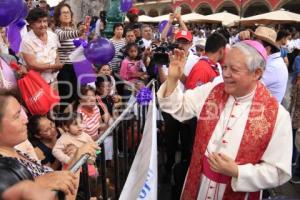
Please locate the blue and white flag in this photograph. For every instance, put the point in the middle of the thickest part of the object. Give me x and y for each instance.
(141, 182)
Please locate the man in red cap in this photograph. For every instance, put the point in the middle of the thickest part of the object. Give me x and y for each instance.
(175, 129)
(184, 39)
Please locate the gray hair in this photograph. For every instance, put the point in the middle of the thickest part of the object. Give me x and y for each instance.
(253, 58)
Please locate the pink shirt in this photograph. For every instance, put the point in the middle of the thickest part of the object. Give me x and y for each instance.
(64, 141)
(129, 69)
(91, 121)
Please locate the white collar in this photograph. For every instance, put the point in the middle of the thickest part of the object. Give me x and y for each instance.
(246, 97)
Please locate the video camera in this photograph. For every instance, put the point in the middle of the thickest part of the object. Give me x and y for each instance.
(161, 53)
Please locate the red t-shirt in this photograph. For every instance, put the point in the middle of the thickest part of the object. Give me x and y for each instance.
(204, 71)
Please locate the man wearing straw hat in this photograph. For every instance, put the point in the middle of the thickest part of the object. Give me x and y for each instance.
(240, 128)
(275, 76)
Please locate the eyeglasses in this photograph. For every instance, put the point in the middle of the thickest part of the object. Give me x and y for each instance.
(65, 13)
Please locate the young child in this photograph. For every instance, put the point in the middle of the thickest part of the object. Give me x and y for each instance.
(74, 135)
(105, 70)
(132, 67)
(92, 120)
(106, 105)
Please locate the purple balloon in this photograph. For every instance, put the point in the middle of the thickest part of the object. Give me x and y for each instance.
(100, 51)
(162, 25)
(126, 5)
(24, 11)
(10, 11)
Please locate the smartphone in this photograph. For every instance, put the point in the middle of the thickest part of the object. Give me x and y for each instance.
(177, 10)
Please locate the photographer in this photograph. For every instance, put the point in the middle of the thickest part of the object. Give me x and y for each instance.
(173, 128)
(184, 41)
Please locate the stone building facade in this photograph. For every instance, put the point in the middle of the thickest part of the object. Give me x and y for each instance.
(244, 7)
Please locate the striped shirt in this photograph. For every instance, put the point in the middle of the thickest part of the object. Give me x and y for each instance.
(66, 37)
(91, 121)
(115, 63)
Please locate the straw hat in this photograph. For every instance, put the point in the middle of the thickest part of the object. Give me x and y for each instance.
(266, 34)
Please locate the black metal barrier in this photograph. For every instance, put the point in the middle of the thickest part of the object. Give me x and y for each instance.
(126, 132)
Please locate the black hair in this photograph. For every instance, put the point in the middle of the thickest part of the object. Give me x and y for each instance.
(116, 25)
(101, 79)
(132, 17)
(128, 30)
(214, 42)
(69, 118)
(282, 34)
(102, 15)
(99, 66)
(85, 88)
(273, 48)
(225, 33)
(129, 46)
(33, 128)
(35, 14)
(146, 26)
(199, 48)
(136, 25)
(57, 12)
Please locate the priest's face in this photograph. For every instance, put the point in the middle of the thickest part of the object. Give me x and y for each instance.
(238, 79)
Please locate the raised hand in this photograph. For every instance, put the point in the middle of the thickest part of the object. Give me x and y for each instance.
(175, 71)
(245, 35)
(176, 66)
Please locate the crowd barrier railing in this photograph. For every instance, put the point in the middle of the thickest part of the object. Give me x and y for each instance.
(126, 132)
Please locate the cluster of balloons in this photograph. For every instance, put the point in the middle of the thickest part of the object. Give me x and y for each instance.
(12, 11)
(100, 51)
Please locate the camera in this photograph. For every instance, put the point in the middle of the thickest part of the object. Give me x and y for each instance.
(161, 53)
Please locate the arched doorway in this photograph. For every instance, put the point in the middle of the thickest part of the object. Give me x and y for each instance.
(153, 13)
(185, 9)
(290, 5)
(228, 6)
(204, 9)
(255, 8)
(166, 10)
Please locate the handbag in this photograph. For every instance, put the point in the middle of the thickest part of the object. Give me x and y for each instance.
(38, 96)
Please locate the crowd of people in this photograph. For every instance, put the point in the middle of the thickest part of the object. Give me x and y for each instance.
(228, 97)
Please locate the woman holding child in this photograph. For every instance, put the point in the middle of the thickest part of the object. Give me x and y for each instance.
(13, 131)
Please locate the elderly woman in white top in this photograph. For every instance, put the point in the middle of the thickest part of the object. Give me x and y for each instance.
(39, 46)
